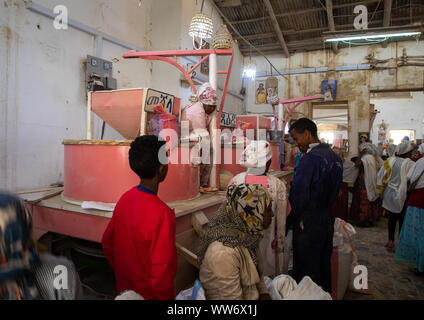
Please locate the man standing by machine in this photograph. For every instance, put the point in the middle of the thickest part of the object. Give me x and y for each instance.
(139, 241)
(198, 114)
(315, 188)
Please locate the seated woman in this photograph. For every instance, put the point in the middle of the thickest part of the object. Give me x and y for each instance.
(230, 268)
(25, 275)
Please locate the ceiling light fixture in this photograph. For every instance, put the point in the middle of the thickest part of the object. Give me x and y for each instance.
(201, 27)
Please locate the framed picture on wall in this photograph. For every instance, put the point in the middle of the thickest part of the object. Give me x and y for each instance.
(260, 92)
(329, 90)
(364, 137)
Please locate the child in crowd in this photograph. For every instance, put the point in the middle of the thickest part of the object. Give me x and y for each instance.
(139, 242)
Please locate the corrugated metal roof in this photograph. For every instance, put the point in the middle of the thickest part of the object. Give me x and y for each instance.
(302, 22)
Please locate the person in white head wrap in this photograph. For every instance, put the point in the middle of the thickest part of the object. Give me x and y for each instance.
(257, 159)
(366, 206)
(198, 115)
(411, 239)
(393, 183)
(421, 149)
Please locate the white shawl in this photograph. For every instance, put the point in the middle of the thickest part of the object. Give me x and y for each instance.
(370, 169)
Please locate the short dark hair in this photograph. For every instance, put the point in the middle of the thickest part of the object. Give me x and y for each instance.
(304, 124)
(144, 156)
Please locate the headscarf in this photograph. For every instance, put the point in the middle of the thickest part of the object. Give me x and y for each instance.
(372, 150)
(404, 148)
(206, 95)
(391, 148)
(239, 221)
(416, 175)
(421, 148)
(17, 254)
(256, 156)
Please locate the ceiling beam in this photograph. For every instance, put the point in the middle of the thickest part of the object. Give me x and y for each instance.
(305, 11)
(331, 25)
(277, 27)
(229, 3)
(387, 16)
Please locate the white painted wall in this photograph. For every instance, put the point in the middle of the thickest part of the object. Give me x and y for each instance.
(400, 114)
(42, 89)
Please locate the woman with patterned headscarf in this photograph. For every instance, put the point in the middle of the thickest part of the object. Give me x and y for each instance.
(25, 275)
(366, 202)
(198, 114)
(230, 268)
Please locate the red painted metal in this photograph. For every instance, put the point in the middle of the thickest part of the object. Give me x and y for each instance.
(175, 64)
(101, 173)
(178, 53)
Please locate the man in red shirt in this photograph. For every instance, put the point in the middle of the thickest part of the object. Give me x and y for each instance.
(139, 241)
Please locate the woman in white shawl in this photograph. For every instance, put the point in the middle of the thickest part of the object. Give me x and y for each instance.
(257, 159)
(411, 240)
(366, 202)
(393, 179)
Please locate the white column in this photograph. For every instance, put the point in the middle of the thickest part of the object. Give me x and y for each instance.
(214, 83)
(89, 129)
(280, 117)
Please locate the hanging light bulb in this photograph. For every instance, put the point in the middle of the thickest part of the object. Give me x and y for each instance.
(249, 69)
(201, 27)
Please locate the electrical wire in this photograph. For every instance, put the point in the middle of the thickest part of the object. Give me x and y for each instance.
(244, 39)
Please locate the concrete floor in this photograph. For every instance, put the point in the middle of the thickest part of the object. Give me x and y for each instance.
(388, 279)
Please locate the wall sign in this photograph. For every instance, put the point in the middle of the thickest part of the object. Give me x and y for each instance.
(155, 98)
(228, 120)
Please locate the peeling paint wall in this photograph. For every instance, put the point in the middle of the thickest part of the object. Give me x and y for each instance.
(353, 86)
(42, 81)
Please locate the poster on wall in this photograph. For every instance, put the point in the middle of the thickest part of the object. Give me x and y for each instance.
(260, 91)
(364, 137)
(329, 90)
(272, 90)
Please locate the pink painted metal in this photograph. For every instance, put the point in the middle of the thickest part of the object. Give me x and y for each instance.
(88, 227)
(101, 173)
(121, 109)
(166, 55)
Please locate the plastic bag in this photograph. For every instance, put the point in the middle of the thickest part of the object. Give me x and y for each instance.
(195, 293)
(281, 287)
(308, 290)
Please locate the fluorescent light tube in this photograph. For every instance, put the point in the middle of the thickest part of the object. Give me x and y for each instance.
(377, 36)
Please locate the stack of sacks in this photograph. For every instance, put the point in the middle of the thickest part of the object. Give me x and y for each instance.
(343, 260)
(285, 287)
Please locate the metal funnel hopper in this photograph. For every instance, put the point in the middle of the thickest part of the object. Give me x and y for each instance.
(120, 109)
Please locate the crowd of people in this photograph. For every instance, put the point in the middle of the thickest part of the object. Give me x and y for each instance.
(387, 181)
(244, 240)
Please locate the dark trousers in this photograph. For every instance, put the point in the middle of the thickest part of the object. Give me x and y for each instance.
(312, 250)
(393, 219)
